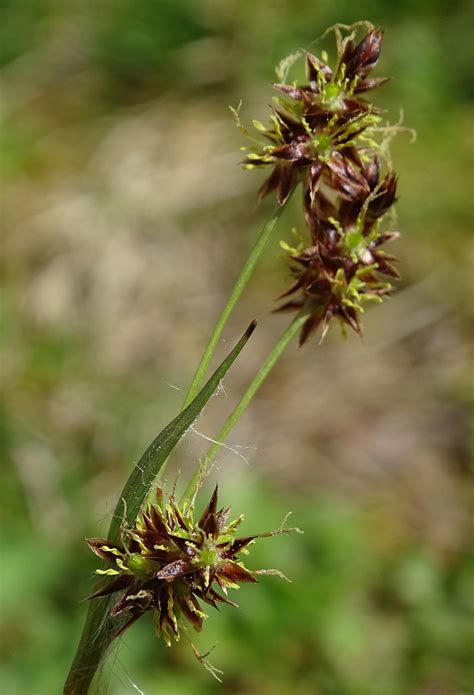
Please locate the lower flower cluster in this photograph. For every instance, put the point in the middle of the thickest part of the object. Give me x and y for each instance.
(168, 563)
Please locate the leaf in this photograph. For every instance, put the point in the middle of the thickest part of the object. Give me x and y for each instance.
(138, 485)
(100, 627)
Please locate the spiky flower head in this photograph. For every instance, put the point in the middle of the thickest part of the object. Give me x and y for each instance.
(345, 267)
(325, 135)
(318, 132)
(170, 564)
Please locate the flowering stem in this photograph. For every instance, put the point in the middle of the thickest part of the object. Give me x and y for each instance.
(101, 626)
(233, 418)
(237, 290)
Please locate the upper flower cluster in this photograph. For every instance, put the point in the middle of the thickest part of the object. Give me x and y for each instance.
(168, 562)
(324, 135)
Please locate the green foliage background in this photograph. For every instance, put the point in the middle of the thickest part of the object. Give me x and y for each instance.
(126, 220)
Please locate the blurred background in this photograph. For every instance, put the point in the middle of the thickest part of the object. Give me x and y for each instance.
(127, 217)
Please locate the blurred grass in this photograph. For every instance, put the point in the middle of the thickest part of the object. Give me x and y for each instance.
(126, 216)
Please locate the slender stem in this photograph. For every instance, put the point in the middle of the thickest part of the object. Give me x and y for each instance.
(237, 290)
(233, 418)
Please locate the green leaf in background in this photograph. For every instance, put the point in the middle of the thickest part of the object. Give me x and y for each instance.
(100, 627)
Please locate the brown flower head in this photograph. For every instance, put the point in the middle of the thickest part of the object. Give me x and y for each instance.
(319, 131)
(168, 563)
(345, 264)
(338, 89)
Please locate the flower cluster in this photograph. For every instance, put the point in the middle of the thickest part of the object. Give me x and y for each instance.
(168, 563)
(324, 136)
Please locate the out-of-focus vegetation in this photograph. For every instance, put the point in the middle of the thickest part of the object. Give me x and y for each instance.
(126, 218)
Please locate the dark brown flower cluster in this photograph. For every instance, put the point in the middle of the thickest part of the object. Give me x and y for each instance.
(324, 135)
(168, 563)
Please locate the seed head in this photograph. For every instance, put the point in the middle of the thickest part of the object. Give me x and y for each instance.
(325, 135)
(169, 563)
(344, 268)
(318, 131)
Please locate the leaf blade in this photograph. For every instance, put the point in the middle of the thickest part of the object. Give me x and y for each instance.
(145, 471)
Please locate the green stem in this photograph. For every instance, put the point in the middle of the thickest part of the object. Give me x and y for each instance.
(233, 418)
(237, 290)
